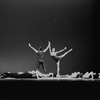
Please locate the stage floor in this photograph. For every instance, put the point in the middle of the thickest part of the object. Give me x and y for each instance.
(50, 79)
(56, 89)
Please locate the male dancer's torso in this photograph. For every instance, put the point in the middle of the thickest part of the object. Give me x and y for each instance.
(40, 56)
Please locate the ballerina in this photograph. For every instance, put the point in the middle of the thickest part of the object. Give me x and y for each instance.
(57, 59)
(40, 52)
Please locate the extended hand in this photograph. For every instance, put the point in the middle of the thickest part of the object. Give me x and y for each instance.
(29, 44)
(65, 48)
(49, 43)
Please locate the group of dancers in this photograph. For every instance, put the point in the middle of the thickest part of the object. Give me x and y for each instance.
(40, 53)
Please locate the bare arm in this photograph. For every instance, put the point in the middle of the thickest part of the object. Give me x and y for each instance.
(33, 48)
(47, 47)
(50, 48)
(61, 50)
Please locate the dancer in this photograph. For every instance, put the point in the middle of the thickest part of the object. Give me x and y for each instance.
(87, 75)
(40, 52)
(74, 75)
(57, 59)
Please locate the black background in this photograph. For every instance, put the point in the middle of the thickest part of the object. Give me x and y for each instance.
(49, 90)
(71, 23)
(75, 25)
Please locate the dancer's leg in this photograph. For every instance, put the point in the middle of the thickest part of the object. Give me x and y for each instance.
(91, 74)
(58, 68)
(64, 54)
(43, 66)
(38, 65)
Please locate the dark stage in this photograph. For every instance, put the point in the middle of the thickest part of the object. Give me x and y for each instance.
(70, 23)
(49, 90)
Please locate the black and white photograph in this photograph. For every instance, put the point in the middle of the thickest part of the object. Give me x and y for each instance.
(48, 50)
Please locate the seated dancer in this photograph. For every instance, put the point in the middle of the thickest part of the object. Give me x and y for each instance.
(41, 75)
(40, 52)
(87, 75)
(74, 75)
(57, 59)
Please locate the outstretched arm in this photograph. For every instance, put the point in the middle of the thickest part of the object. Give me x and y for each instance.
(47, 47)
(50, 47)
(61, 50)
(33, 48)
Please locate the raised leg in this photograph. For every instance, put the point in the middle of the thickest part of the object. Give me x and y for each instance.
(92, 74)
(64, 54)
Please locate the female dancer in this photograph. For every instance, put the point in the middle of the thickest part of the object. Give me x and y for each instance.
(57, 59)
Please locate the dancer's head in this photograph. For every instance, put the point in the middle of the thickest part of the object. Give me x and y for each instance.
(53, 49)
(40, 49)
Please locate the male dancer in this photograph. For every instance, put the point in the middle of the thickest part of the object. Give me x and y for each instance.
(40, 52)
(57, 59)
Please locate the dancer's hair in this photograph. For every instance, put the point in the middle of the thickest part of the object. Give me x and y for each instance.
(40, 48)
(53, 49)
